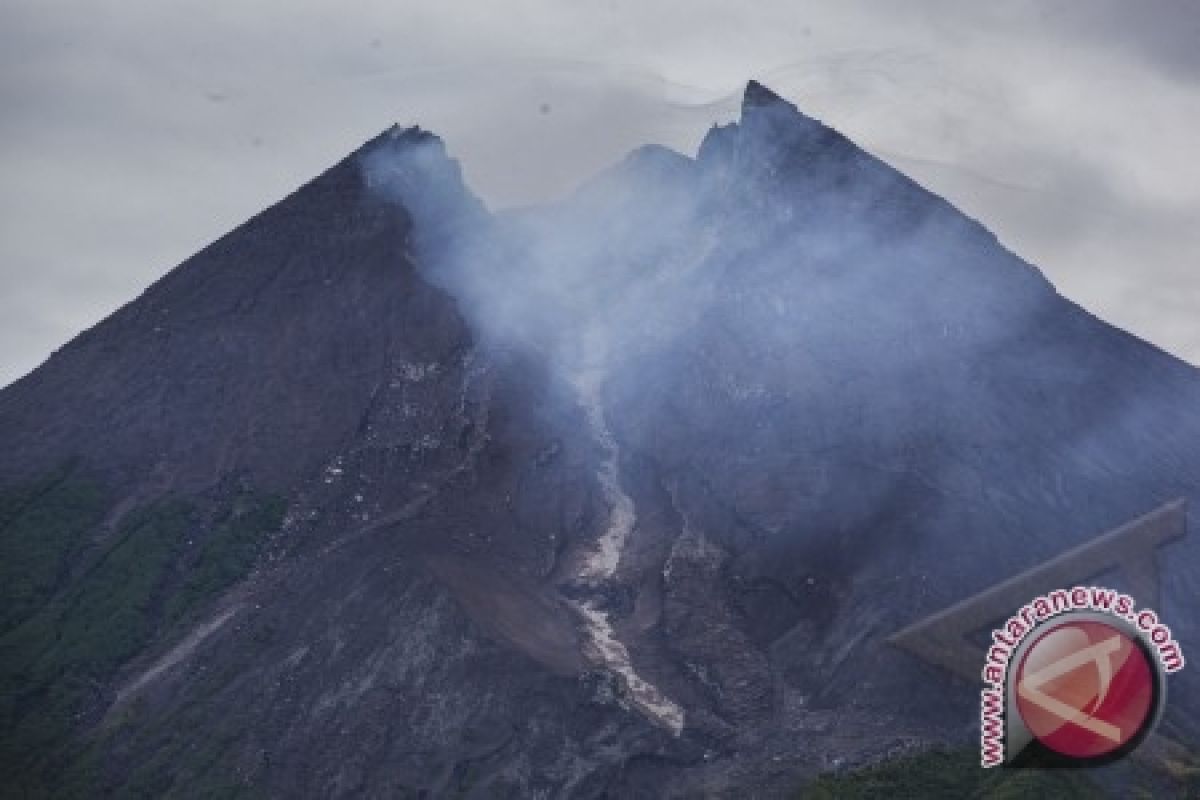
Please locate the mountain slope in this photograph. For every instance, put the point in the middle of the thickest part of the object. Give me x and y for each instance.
(386, 495)
(263, 347)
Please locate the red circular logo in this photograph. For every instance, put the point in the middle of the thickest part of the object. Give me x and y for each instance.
(1085, 689)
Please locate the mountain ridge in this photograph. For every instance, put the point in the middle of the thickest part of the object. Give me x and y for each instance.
(713, 426)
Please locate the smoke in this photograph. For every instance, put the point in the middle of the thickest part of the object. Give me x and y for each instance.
(795, 331)
(781, 239)
(836, 373)
(603, 273)
(782, 297)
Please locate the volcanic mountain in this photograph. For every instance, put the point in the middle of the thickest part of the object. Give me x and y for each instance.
(384, 494)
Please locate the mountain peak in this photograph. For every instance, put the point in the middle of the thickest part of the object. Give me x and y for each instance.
(756, 95)
(767, 119)
(760, 102)
(398, 137)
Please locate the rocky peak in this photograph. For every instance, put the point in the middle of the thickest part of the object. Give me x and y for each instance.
(651, 547)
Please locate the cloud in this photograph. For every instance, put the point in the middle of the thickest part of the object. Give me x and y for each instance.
(1163, 33)
(136, 132)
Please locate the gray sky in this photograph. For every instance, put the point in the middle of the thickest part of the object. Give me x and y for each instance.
(135, 132)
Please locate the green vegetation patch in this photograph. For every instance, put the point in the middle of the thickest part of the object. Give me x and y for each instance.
(227, 553)
(41, 526)
(78, 606)
(952, 775)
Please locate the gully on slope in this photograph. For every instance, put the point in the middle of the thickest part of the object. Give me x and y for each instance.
(602, 647)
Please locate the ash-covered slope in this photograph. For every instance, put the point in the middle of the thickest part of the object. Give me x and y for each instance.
(258, 354)
(616, 497)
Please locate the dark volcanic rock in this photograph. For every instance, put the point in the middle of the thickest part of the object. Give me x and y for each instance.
(802, 400)
(262, 353)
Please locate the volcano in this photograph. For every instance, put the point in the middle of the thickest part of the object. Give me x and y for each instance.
(386, 494)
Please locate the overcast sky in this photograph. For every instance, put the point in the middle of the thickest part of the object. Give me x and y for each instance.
(134, 132)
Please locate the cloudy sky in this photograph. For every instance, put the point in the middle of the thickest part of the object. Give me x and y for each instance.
(133, 132)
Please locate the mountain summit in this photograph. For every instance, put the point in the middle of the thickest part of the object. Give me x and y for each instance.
(758, 95)
(384, 495)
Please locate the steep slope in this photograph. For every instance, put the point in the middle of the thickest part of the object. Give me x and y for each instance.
(877, 412)
(301, 360)
(621, 496)
(259, 354)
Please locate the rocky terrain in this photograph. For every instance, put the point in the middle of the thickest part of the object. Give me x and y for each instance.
(385, 494)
